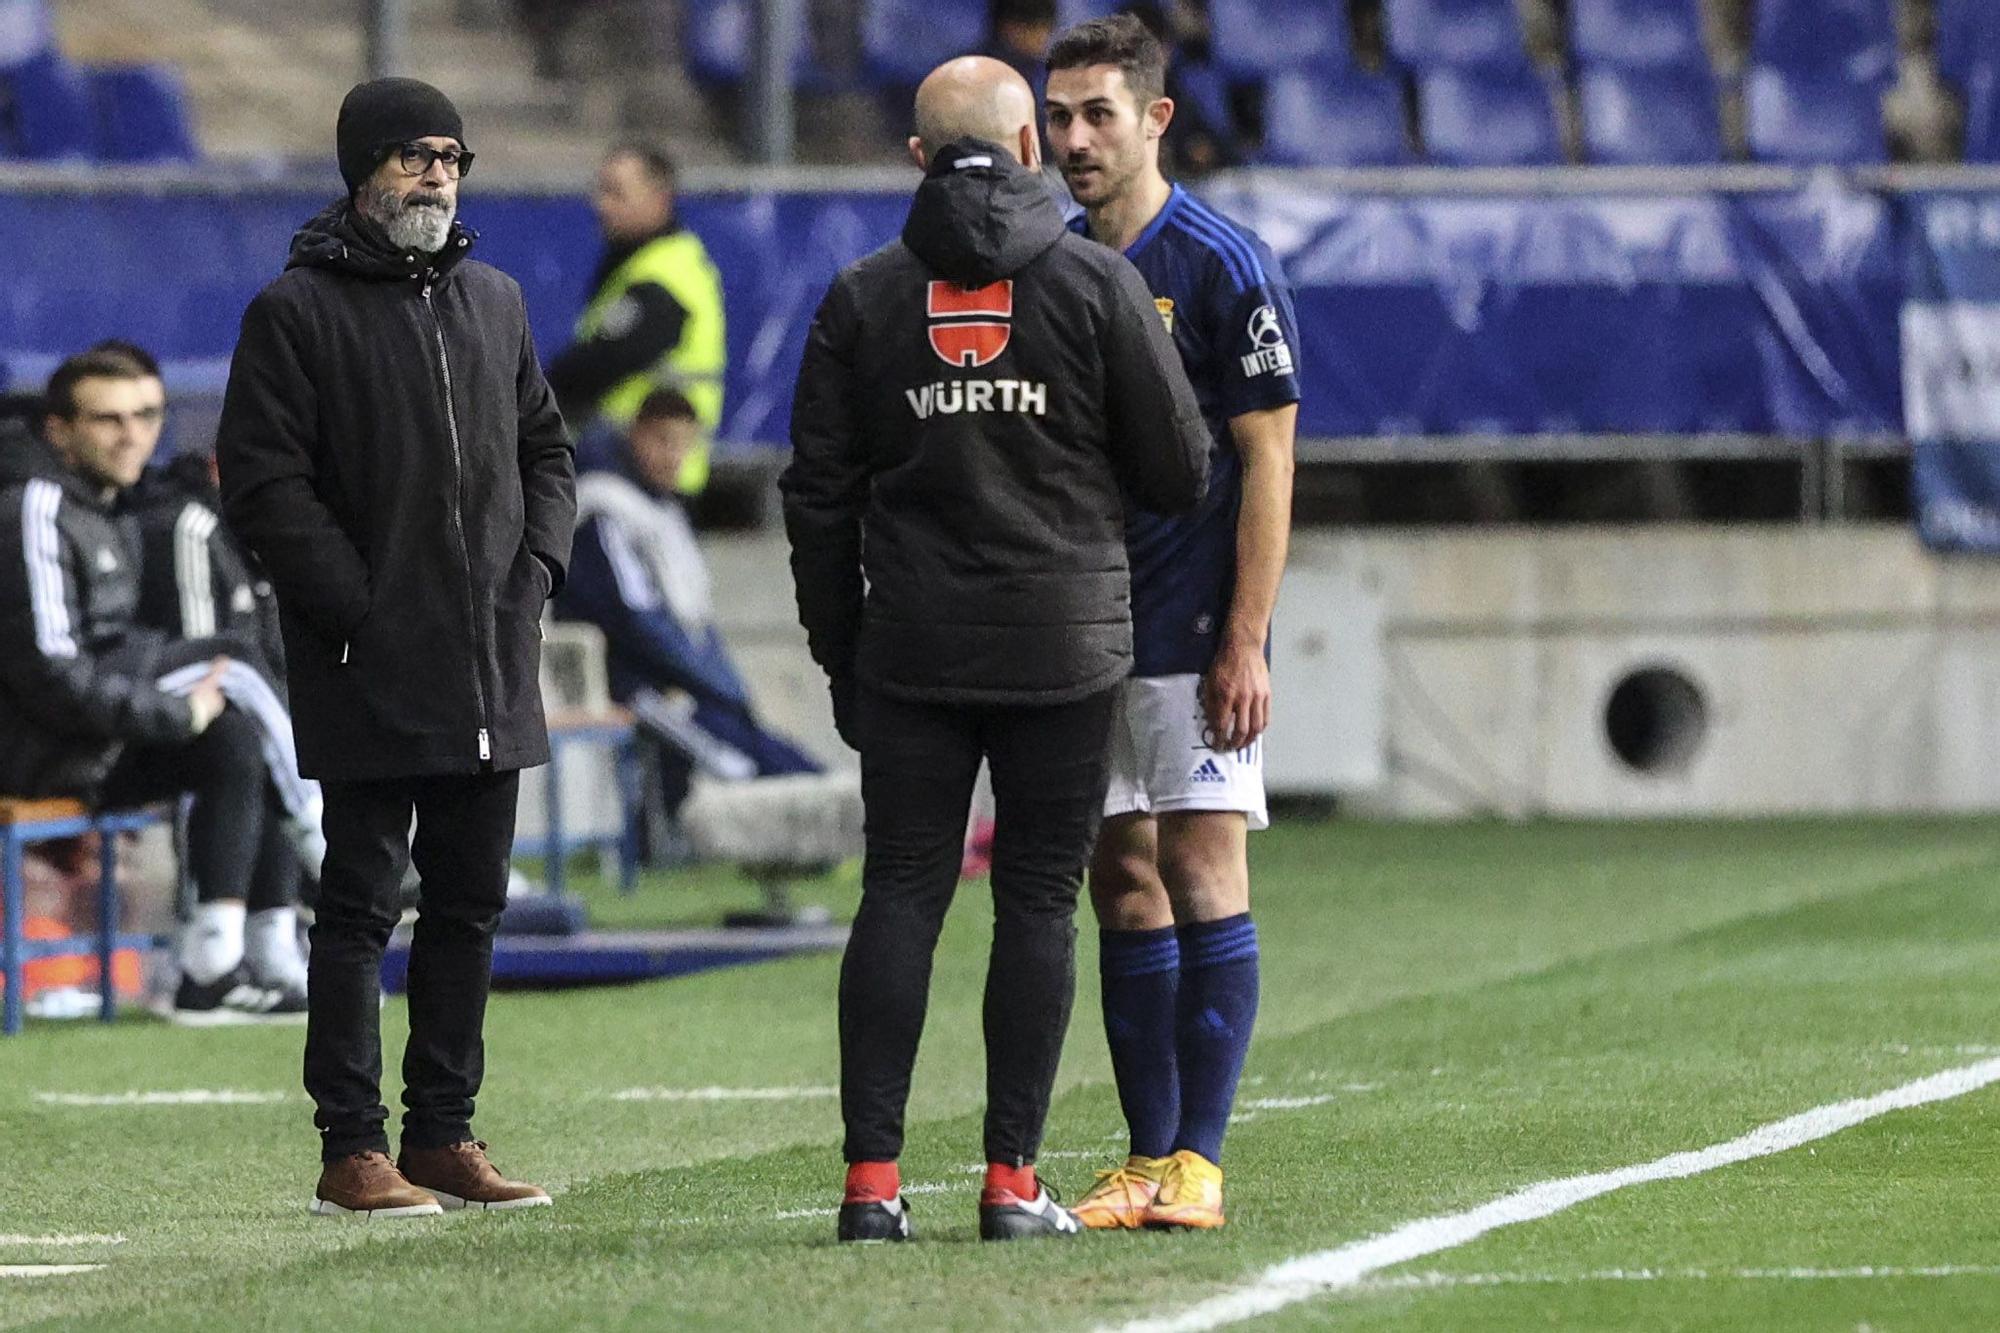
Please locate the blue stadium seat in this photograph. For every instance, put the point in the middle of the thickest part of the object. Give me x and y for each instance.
(1806, 118)
(143, 110)
(1654, 117)
(1488, 118)
(718, 36)
(903, 40)
(1854, 37)
(1334, 117)
(53, 114)
(1249, 43)
(1201, 93)
(1637, 34)
(1433, 34)
(1069, 13)
(1981, 88)
(1968, 36)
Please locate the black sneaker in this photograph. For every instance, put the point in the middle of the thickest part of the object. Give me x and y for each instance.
(234, 997)
(290, 990)
(872, 1223)
(291, 1002)
(1004, 1215)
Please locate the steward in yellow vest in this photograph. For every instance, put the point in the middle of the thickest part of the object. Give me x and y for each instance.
(655, 315)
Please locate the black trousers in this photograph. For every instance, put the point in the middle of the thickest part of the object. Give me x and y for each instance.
(237, 844)
(464, 838)
(1049, 766)
(237, 847)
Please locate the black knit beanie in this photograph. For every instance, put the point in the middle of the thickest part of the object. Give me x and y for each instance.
(389, 111)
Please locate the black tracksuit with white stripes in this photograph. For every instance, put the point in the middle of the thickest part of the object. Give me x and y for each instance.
(82, 708)
(195, 579)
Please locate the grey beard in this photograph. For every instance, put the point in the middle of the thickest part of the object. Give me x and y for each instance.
(420, 227)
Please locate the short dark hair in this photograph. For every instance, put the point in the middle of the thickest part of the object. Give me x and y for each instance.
(658, 163)
(1120, 40)
(138, 355)
(666, 404)
(59, 398)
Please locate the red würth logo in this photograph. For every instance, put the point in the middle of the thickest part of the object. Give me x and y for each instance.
(970, 325)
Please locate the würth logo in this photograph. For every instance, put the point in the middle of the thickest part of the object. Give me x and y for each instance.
(970, 325)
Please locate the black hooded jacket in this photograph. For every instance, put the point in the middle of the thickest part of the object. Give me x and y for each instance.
(973, 397)
(76, 672)
(392, 455)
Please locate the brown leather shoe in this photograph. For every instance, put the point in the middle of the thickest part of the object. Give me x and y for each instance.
(461, 1177)
(367, 1184)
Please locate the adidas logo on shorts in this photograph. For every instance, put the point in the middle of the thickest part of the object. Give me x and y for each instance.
(1207, 772)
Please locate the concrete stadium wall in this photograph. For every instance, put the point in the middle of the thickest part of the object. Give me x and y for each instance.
(1838, 669)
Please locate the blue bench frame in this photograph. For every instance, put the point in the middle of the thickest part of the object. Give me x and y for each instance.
(555, 845)
(16, 950)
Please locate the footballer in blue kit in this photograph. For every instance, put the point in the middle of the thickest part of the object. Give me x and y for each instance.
(1170, 878)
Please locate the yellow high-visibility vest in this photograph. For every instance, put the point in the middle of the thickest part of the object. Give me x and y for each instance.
(678, 262)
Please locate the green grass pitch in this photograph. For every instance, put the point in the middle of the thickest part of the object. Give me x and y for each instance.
(1449, 1014)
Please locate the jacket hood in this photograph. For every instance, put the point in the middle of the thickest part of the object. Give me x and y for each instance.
(980, 216)
(338, 237)
(24, 457)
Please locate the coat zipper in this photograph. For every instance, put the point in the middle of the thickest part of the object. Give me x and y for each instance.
(458, 520)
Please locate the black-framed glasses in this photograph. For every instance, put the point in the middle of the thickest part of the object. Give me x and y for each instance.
(416, 159)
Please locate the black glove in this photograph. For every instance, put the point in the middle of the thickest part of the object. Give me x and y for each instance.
(845, 703)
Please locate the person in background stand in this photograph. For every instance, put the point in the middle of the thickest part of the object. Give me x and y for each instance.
(638, 575)
(655, 314)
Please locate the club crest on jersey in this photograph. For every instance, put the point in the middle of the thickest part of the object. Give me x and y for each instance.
(1165, 305)
(970, 326)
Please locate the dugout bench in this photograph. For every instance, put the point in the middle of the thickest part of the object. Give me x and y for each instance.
(25, 822)
(611, 728)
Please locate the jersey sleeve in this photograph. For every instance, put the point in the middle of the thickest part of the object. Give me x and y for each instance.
(1255, 333)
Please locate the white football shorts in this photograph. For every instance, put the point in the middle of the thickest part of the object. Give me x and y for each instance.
(1160, 762)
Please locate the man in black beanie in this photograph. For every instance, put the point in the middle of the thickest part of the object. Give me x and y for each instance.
(391, 452)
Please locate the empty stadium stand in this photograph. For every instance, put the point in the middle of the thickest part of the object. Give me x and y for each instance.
(1328, 83)
(1650, 117)
(1637, 34)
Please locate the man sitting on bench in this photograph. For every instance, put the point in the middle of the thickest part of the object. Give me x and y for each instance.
(639, 576)
(93, 705)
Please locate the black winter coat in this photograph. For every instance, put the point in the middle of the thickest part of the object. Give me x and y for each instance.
(390, 452)
(972, 397)
(76, 672)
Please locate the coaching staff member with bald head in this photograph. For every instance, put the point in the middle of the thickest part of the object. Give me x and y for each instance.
(391, 452)
(973, 401)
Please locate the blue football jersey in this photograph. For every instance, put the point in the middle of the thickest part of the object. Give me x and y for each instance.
(1229, 308)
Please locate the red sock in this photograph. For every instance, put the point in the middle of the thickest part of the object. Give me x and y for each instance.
(1018, 1181)
(872, 1182)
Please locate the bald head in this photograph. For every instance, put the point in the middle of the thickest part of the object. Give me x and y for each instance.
(975, 97)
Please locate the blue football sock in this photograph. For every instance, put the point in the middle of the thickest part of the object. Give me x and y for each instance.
(1140, 970)
(1216, 1010)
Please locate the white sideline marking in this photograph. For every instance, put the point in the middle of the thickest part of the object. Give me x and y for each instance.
(1288, 1103)
(952, 1187)
(46, 1270)
(41, 1242)
(1256, 1106)
(1311, 1275)
(722, 1094)
(1067, 1155)
(1903, 1048)
(1427, 1281)
(189, 1097)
